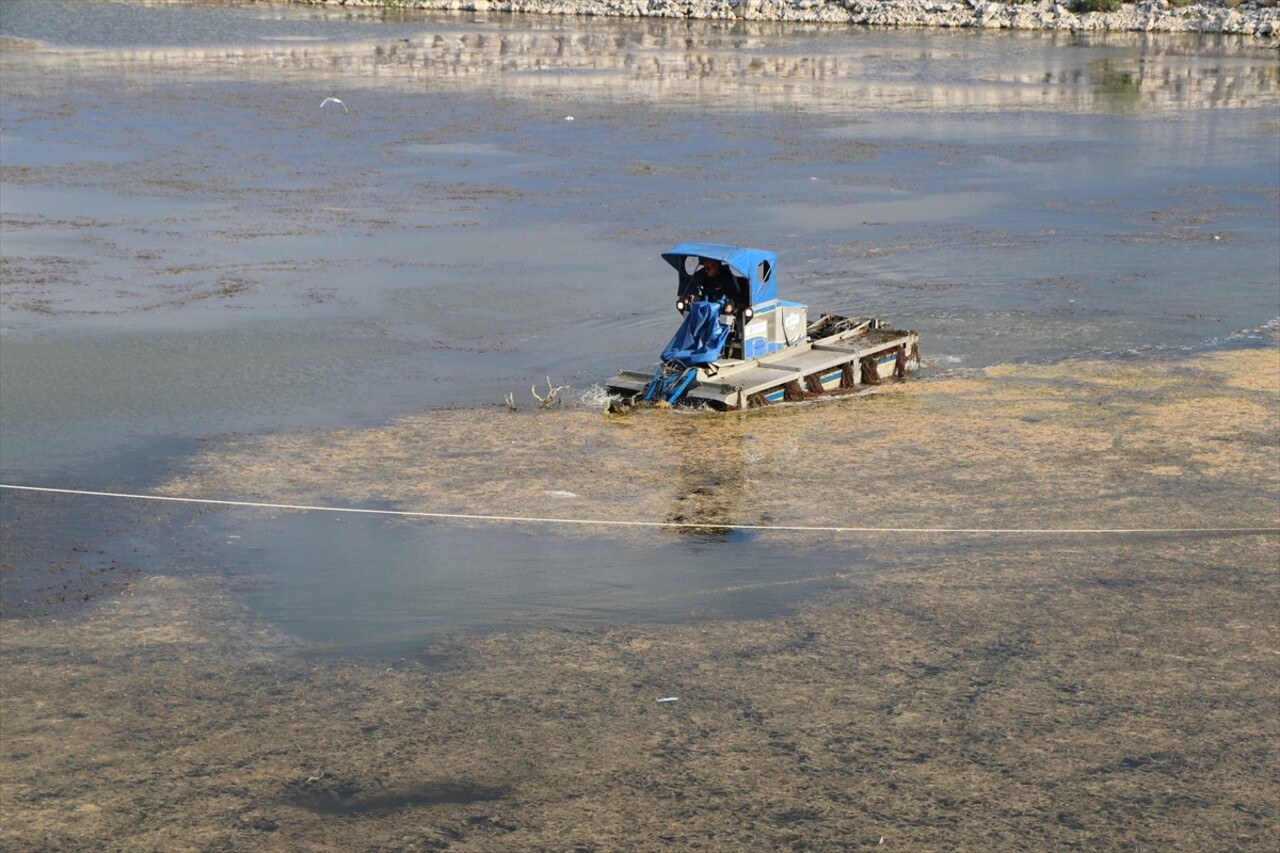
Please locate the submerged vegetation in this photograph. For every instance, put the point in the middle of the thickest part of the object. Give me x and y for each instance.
(1101, 692)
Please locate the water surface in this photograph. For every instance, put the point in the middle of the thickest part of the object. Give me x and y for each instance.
(193, 247)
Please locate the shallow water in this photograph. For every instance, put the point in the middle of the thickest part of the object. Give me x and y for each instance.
(193, 247)
(390, 587)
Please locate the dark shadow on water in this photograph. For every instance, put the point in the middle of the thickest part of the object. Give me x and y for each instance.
(61, 553)
(342, 801)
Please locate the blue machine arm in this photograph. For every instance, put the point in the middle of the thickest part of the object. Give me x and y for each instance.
(699, 341)
(701, 337)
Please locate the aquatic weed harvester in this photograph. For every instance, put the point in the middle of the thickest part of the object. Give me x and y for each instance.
(740, 346)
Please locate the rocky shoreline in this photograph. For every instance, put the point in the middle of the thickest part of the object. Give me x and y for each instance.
(1258, 19)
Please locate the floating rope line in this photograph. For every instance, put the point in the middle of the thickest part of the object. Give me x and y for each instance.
(604, 522)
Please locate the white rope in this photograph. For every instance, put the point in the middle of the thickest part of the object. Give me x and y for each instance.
(603, 522)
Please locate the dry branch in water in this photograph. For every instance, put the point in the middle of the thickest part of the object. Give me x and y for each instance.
(553, 394)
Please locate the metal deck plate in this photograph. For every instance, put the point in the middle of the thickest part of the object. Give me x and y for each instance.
(751, 378)
(810, 360)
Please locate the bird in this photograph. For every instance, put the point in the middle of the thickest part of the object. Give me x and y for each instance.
(327, 101)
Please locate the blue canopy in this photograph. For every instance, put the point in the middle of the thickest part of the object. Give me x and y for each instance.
(755, 265)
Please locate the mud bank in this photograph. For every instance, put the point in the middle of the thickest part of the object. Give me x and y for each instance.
(1103, 692)
(1255, 19)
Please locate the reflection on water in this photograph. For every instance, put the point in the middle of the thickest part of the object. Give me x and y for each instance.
(710, 477)
(743, 64)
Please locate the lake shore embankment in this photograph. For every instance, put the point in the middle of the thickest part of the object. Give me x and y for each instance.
(1259, 19)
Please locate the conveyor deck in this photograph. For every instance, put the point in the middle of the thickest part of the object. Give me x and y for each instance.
(832, 363)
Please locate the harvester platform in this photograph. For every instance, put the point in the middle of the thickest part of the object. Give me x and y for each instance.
(838, 354)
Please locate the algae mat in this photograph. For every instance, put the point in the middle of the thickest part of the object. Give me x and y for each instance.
(1081, 444)
(1100, 693)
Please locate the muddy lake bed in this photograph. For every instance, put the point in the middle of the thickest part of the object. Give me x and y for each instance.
(215, 288)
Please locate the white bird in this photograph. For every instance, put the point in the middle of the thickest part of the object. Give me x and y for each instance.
(327, 101)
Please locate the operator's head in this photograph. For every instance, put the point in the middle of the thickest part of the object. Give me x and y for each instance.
(711, 265)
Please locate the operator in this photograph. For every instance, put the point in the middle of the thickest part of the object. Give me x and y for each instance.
(714, 281)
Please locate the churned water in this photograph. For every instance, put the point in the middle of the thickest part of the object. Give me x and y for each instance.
(193, 246)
